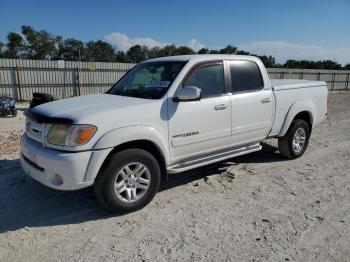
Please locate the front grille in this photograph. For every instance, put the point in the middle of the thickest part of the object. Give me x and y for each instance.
(32, 164)
(35, 130)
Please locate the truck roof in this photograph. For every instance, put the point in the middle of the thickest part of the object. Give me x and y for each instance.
(199, 58)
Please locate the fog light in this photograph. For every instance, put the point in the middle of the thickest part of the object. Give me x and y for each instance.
(56, 180)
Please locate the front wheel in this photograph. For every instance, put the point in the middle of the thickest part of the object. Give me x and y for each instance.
(129, 181)
(294, 143)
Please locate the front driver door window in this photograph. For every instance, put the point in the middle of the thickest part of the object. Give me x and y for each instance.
(209, 78)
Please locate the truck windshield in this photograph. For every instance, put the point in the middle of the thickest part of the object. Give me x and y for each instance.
(150, 80)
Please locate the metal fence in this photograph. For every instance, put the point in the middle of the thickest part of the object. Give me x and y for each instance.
(20, 78)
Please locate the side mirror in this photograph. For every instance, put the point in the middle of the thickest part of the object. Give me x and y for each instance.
(187, 94)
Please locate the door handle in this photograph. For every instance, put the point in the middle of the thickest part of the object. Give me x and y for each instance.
(220, 107)
(266, 100)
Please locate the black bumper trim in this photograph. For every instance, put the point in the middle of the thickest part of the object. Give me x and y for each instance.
(32, 164)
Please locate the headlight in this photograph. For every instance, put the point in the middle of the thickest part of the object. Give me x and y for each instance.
(70, 135)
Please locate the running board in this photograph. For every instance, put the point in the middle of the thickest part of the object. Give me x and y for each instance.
(212, 158)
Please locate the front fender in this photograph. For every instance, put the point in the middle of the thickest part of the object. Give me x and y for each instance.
(132, 133)
(296, 108)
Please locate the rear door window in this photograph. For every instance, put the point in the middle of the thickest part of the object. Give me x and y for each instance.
(245, 76)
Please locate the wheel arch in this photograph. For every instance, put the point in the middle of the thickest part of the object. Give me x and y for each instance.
(142, 137)
(304, 110)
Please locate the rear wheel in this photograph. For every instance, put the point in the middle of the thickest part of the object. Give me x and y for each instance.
(294, 143)
(129, 181)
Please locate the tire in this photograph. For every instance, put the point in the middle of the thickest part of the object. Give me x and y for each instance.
(285, 143)
(14, 112)
(40, 98)
(44, 96)
(115, 173)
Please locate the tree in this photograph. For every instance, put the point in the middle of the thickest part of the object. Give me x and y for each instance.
(305, 64)
(168, 50)
(1, 47)
(203, 51)
(154, 52)
(137, 54)
(72, 50)
(33, 44)
(184, 50)
(268, 61)
(38, 44)
(230, 49)
(120, 56)
(15, 45)
(241, 52)
(99, 51)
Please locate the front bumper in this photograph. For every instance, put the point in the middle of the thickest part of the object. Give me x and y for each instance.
(58, 169)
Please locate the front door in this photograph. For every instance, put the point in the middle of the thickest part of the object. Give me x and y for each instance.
(202, 126)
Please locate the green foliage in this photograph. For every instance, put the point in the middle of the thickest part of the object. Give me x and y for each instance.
(38, 44)
(1, 47)
(203, 51)
(71, 50)
(33, 44)
(14, 46)
(99, 51)
(137, 54)
(268, 61)
(228, 50)
(305, 64)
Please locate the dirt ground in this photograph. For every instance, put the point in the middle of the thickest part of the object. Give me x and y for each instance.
(256, 207)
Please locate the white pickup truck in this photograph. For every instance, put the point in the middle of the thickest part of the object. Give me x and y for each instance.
(167, 115)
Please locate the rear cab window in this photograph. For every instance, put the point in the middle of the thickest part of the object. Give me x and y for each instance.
(245, 76)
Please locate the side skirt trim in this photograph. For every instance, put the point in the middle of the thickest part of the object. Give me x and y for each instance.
(212, 158)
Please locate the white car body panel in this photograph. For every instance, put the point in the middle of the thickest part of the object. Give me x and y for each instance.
(184, 132)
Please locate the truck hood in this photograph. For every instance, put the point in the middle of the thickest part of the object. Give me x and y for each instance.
(85, 108)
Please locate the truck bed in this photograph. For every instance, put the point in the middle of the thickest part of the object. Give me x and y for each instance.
(283, 84)
(290, 92)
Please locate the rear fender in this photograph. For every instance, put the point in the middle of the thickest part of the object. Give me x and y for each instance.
(296, 108)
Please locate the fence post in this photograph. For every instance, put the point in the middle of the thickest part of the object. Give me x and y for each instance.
(14, 83)
(333, 80)
(19, 88)
(78, 81)
(301, 75)
(347, 81)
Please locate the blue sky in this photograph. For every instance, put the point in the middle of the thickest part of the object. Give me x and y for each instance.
(298, 29)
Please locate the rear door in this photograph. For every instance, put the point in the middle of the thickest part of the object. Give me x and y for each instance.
(202, 126)
(252, 102)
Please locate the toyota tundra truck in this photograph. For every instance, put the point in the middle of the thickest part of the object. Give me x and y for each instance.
(164, 116)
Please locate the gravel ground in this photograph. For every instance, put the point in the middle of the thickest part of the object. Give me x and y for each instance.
(256, 207)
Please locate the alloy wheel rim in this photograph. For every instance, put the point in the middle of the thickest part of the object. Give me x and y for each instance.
(132, 182)
(299, 139)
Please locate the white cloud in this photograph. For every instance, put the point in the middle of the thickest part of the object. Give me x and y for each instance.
(195, 44)
(283, 51)
(123, 42)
